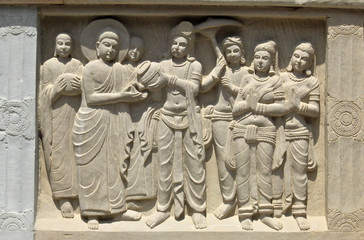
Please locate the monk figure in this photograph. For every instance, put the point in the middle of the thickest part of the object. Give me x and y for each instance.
(59, 101)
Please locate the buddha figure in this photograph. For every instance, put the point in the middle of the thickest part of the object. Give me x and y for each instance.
(103, 133)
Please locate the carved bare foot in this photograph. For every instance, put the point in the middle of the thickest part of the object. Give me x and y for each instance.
(134, 206)
(247, 224)
(199, 220)
(302, 222)
(224, 209)
(93, 223)
(66, 208)
(157, 218)
(272, 223)
(131, 215)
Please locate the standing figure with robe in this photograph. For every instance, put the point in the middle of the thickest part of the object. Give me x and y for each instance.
(181, 154)
(303, 98)
(103, 133)
(252, 138)
(227, 76)
(141, 184)
(59, 101)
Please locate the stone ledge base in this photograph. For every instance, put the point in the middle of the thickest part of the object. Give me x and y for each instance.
(75, 229)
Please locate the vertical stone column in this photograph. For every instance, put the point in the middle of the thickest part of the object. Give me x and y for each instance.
(345, 118)
(18, 154)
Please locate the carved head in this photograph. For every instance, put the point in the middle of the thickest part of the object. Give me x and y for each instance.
(181, 40)
(233, 50)
(63, 46)
(136, 49)
(107, 46)
(302, 59)
(265, 57)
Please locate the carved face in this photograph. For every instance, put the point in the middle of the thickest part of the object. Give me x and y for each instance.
(262, 61)
(63, 45)
(107, 49)
(135, 53)
(179, 47)
(233, 54)
(300, 60)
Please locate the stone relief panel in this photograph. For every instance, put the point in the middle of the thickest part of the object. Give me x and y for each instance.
(15, 221)
(18, 41)
(345, 122)
(127, 123)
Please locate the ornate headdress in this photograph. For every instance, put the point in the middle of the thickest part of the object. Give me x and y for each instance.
(271, 48)
(234, 40)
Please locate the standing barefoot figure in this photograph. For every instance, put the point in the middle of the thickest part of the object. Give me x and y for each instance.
(60, 100)
(227, 74)
(102, 133)
(180, 144)
(253, 136)
(302, 94)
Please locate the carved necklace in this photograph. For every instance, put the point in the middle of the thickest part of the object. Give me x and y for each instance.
(295, 79)
(259, 79)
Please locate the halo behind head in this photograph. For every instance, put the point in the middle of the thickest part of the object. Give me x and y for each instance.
(104, 28)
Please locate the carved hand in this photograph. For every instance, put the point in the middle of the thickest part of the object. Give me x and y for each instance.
(76, 83)
(220, 66)
(293, 99)
(162, 81)
(59, 85)
(253, 100)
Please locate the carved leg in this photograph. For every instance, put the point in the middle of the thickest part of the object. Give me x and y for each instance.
(66, 208)
(245, 202)
(226, 176)
(298, 155)
(264, 180)
(195, 180)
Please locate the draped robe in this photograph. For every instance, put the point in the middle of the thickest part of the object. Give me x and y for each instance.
(102, 135)
(56, 122)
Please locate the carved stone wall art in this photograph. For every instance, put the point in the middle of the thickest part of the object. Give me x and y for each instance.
(302, 103)
(60, 100)
(149, 75)
(227, 74)
(252, 138)
(141, 176)
(346, 222)
(346, 119)
(180, 142)
(15, 221)
(16, 23)
(16, 117)
(103, 130)
(345, 30)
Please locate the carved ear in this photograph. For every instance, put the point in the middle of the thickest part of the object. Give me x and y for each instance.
(289, 67)
(97, 49)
